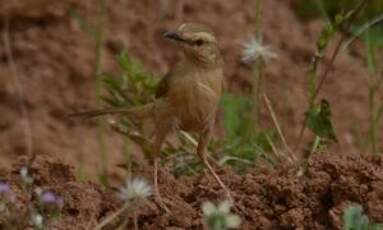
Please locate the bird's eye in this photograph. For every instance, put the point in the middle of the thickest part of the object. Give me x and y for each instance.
(199, 42)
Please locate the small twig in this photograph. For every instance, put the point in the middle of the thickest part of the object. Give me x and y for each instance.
(190, 138)
(231, 158)
(273, 148)
(113, 216)
(277, 126)
(20, 94)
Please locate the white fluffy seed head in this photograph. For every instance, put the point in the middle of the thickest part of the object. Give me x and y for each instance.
(254, 50)
(134, 189)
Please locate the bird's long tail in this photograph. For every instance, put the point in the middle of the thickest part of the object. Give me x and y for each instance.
(138, 112)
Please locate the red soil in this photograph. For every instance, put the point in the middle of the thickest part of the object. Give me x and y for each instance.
(265, 198)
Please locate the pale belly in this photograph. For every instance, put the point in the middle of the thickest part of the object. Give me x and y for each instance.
(194, 105)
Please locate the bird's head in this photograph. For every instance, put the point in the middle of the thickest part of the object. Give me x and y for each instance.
(198, 42)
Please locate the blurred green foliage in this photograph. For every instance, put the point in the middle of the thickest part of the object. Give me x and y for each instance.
(355, 219)
(132, 86)
(235, 108)
(311, 9)
(242, 140)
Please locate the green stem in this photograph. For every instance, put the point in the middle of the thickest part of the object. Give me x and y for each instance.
(316, 144)
(258, 71)
(371, 92)
(127, 156)
(371, 103)
(101, 126)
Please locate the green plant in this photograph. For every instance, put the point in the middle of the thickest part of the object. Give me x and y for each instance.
(374, 80)
(97, 33)
(373, 37)
(355, 219)
(242, 144)
(318, 115)
(245, 141)
(374, 45)
(131, 87)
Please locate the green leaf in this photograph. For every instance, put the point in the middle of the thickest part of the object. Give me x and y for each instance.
(354, 219)
(234, 108)
(325, 36)
(319, 121)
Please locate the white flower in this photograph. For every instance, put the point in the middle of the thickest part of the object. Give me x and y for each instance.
(26, 178)
(136, 188)
(24, 172)
(38, 191)
(254, 49)
(219, 213)
(208, 208)
(37, 220)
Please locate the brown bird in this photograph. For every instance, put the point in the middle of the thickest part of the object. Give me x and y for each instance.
(187, 97)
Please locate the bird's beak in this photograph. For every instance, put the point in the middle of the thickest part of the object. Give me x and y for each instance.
(173, 35)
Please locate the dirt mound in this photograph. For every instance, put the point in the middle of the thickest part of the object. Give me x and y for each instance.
(84, 202)
(265, 199)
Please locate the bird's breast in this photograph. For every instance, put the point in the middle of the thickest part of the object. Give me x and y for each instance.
(194, 101)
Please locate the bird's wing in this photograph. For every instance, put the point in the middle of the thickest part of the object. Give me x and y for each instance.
(163, 86)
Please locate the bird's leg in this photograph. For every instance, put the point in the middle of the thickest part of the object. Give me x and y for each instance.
(159, 139)
(202, 153)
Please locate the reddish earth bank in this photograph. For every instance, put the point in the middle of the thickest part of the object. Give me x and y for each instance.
(54, 59)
